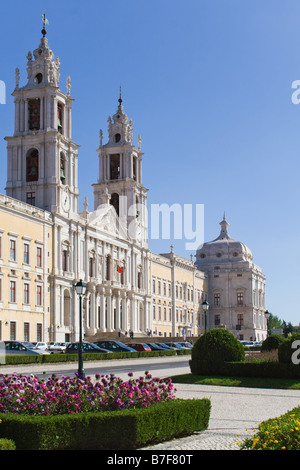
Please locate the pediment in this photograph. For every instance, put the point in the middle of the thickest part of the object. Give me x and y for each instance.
(105, 219)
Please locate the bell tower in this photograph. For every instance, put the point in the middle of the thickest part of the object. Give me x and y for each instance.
(120, 177)
(42, 159)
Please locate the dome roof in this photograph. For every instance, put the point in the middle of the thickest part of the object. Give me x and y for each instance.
(223, 249)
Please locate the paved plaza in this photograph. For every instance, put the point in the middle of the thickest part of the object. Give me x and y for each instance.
(235, 414)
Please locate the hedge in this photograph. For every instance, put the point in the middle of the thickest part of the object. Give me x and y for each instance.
(51, 358)
(270, 369)
(126, 429)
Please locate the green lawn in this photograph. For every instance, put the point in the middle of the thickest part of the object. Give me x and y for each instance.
(256, 382)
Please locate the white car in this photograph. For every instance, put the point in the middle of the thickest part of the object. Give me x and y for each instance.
(41, 345)
(57, 347)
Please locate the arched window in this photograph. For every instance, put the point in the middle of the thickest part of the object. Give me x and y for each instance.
(108, 268)
(114, 167)
(60, 118)
(114, 200)
(62, 175)
(32, 165)
(34, 114)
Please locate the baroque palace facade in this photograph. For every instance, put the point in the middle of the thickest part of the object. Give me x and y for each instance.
(47, 245)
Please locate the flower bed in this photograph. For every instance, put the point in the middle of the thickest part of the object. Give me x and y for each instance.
(28, 395)
(281, 433)
(107, 413)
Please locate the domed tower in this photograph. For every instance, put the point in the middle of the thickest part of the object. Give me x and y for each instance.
(236, 286)
(42, 159)
(120, 177)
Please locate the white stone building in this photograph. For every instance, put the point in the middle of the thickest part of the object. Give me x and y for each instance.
(128, 287)
(108, 247)
(236, 287)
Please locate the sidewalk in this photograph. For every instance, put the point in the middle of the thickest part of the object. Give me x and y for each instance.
(235, 414)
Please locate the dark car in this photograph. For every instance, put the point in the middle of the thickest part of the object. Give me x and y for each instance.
(186, 344)
(114, 346)
(86, 347)
(20, 347)
(140, 346)
(156, 347)
(166, 346)
(175, 345)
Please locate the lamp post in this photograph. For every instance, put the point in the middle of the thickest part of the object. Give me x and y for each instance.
(267, 315)
(205, 307)
(80, 290)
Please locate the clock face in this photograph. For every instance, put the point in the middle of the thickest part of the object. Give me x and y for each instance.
(65, 201)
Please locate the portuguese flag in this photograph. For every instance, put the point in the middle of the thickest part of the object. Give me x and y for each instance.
(119, 269)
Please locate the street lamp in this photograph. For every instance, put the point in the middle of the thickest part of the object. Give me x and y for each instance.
(267, 315)
(205, 307)
(80, 290)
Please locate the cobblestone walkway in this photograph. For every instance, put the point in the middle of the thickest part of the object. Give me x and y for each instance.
(235, 414)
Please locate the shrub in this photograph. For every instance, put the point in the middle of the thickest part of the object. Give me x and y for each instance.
(272, 342)
(285, 350)
(7, 444)
(218, 346)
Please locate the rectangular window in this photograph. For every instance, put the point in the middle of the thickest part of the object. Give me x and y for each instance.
(0, 289)
(12, 330)
(26, 332)
(30, 198)
(39, 295)
(12, 291)
(26, 293)
(217, 300)
(153, 286)
(39, 332)
(240, 298)
(12, 250)
(39, 261)
(26, 253)
(154, 312)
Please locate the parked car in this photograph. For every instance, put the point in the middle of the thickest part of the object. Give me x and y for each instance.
(114, 346)
(140, 346)
(57, 347)
(41, 345)
(166, 346)
(156, 347)
(174, 345)
(186, 344)
(86, 347)
(20, 347)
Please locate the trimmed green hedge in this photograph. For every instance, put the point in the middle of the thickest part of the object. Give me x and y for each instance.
(246, 369)
(272, 342)
(51, 358)
(126, 429)
(217, 346)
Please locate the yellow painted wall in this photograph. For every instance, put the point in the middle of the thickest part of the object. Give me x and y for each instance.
(20, 225)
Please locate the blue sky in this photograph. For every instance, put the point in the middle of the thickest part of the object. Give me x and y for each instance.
(207, 84)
